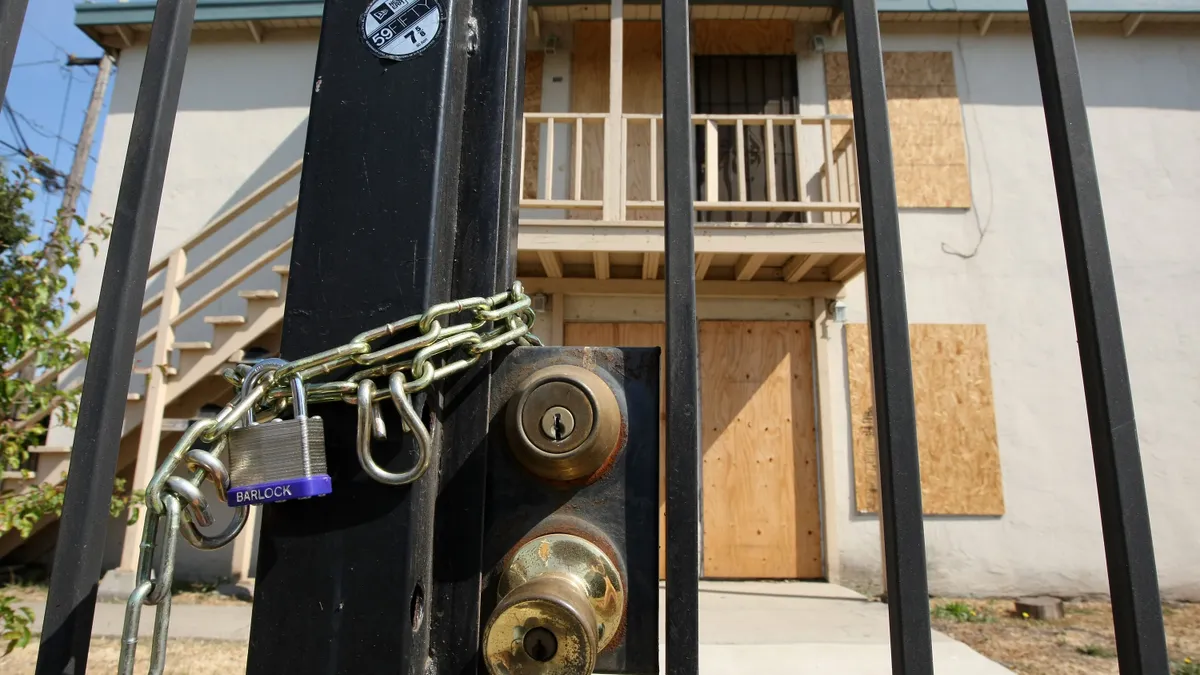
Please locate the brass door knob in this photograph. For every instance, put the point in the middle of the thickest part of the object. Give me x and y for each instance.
(561, 602)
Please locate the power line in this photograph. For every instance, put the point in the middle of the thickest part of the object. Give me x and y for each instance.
(35, 63)
(42, 131)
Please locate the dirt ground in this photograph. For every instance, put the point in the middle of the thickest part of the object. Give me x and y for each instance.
(184, 657)
(1080, 644)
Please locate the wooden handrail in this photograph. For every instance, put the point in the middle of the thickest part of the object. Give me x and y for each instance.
(230, 283)
(155, 301)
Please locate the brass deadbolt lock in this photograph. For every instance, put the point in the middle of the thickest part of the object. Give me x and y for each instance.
(561, 602)
(563, 423)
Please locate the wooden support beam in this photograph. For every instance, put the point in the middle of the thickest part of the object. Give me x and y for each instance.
(703, 260)
(799, 265)
(1131, 22)
(156, 398)
(125, 34)
(985, 24)
(717, 289)
(709, 239)
(650, 265)
(846, 266)
(256, 31)
(747, 265)
(551, 263)
(614, 172)
(600, 261)
(243, 548)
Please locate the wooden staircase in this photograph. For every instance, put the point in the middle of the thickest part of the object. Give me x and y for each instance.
(184, 375)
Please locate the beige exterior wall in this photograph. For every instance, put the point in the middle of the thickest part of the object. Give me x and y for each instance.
(243, 117)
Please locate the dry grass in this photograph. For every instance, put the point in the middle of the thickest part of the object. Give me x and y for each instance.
(185, 657)
(1080, 644)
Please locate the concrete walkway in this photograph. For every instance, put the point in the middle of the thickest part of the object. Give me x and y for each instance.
(763, 628)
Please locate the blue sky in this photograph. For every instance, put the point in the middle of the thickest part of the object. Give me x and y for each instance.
(50, 98)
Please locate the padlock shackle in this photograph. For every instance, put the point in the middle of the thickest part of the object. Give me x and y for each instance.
(256, 372)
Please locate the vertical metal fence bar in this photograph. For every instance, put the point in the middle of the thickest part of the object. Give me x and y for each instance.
(683, 360)
(895, 411)
(12, 18)
(1128, 547)
(80, 547)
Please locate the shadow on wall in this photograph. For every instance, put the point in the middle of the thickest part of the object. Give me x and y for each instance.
(1153, 72)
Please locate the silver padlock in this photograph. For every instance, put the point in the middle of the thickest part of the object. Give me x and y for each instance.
(281, 459)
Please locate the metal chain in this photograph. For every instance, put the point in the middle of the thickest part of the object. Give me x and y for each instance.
(176, 504)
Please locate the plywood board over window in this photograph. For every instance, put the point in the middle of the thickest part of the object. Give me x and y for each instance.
(743, 37)
(956, 420)
(925, 116)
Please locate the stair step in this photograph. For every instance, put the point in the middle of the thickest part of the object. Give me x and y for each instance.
(193, 346)
(133, 398)
(237, 356)
(171, 370)
(282, 270)
(13, 475)
(49, 450)
(225, 320)
(259, 295)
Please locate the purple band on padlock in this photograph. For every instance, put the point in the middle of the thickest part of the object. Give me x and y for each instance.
(296, 488)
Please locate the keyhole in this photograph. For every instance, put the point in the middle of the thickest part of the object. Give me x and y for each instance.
(560, 429)
(540, 644)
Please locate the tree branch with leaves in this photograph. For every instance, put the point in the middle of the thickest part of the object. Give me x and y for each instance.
(35, 273)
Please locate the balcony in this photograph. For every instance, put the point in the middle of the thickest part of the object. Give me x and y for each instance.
(776, 197)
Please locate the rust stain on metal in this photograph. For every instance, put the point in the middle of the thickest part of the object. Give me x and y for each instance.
(544, 550)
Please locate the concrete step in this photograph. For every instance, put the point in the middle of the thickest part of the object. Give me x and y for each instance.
(225, 320)
(265, 294)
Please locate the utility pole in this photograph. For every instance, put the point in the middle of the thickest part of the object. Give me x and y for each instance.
(83, 149)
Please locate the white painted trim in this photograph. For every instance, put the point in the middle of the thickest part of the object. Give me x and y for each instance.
(826, 390)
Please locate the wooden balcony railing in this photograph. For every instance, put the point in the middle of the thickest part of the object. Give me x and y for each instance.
(782, 168)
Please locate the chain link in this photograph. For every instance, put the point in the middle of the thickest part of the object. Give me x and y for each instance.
(177, 506)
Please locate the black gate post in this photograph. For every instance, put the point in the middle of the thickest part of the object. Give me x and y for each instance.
(81, 532)
(891, 361)
(12, 18)
(683, 352)
(407, 199)
(1124, 514)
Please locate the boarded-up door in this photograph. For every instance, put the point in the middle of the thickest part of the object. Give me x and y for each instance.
(761, 513)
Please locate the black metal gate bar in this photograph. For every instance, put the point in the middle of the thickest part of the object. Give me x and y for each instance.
(12, 18)
(683, 539)
(1128, 546)
(484, 263)
(80, 547)
(344, 582)
(891, 361)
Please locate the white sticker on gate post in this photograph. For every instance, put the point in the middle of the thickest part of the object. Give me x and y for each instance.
(401, 29)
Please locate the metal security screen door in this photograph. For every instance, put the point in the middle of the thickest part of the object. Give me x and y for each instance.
(748, 85)
(420, 556)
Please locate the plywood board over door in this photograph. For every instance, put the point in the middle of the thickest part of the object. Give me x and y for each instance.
(761, 500)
